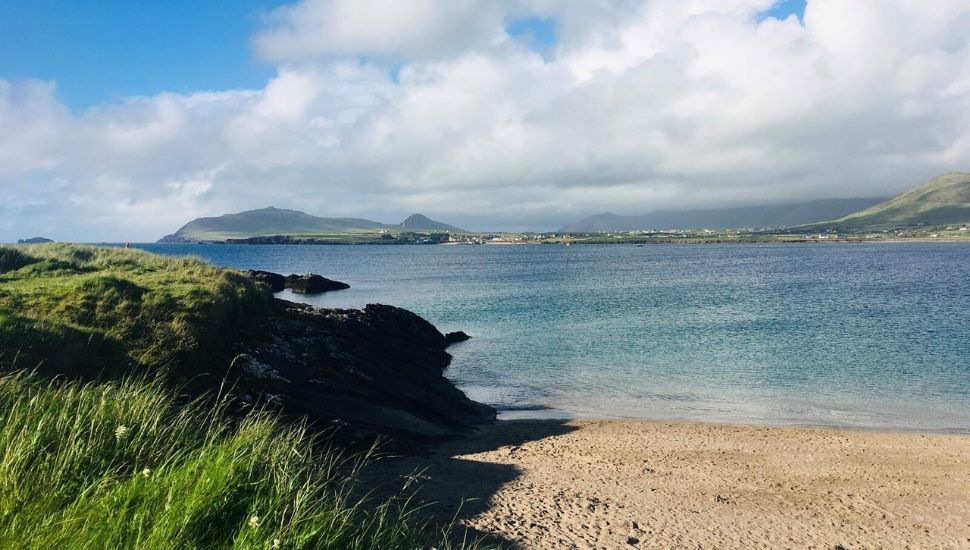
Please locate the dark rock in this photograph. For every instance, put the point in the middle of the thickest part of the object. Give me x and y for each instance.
(275, 281)
(455, 337)
(379, 369)
(632, 541)
(312, 283)
(249, 366)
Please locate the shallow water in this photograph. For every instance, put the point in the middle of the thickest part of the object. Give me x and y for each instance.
(827, 334)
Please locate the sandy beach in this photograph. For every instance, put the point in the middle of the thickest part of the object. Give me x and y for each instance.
(620, 484)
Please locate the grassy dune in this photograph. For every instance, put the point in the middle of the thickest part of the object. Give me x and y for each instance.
(84, 310)
(111, 456)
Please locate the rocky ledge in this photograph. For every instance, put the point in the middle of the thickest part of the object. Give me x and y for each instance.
(310, 283)
(379, 370)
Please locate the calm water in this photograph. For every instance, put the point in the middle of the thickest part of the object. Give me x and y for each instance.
(853, 335)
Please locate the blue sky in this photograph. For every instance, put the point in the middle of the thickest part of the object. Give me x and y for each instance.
(784, 8)
(99, 51)
(539, 32)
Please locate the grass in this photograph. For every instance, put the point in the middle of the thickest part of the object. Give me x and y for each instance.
(83, 310)
(118, 465)
(109, 455)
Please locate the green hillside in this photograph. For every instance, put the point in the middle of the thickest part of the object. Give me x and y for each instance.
(83, 311)
(270, 221)
(944, 200)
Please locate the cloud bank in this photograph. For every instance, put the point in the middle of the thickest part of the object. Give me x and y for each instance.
(378, 111)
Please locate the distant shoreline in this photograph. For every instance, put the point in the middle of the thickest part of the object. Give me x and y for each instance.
(572, 242)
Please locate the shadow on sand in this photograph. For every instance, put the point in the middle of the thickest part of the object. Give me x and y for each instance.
(456, 488)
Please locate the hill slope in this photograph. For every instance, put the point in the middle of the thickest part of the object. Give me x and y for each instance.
(941, 201)
(267, 221)
(272, 221)
(418, 222)
(779, 215)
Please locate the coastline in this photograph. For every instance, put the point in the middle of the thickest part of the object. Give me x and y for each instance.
(643, 484)
(568, 241)
(543, 414)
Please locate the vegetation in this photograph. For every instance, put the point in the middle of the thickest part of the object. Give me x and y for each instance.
(80, 310)
(118, 465)
(112, 456)
(942, 201)
(278, 222)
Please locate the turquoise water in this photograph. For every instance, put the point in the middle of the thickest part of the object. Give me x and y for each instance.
(849, 335)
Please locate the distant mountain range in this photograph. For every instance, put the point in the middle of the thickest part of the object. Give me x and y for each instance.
(944, 200)
(753, 217)
(278, 221)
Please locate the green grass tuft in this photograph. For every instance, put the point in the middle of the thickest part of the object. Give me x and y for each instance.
(117, 465)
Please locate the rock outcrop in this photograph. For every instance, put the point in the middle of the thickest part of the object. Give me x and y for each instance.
(379, 370)
(455, 337)
(312, 283)
(275, 281)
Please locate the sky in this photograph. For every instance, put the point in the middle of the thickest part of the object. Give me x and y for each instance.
(121, 121)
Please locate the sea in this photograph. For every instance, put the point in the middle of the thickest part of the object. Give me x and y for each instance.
(848, 335)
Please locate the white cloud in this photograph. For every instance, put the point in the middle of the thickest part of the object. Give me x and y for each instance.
(641, 105)
(416, 29)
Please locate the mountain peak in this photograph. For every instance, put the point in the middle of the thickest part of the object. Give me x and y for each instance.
(420, 222)
(413, 218)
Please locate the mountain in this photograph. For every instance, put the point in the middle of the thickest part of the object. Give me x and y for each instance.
(418, 222)
(278, 221)
(770, 216)
(943, 200)
(34, 240)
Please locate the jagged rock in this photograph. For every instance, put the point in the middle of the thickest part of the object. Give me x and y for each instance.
(275, 281)
(455, 337)
(256, 370)
(312, 283)
(379, 369)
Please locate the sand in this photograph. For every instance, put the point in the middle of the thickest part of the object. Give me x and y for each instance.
(619, 484)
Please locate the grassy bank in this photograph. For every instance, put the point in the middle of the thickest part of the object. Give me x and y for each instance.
(80, 310)
(117, 465)
(109, 455)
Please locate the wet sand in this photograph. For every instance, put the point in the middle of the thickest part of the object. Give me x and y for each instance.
(619, 484)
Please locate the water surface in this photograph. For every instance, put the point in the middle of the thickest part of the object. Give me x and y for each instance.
(850, 334)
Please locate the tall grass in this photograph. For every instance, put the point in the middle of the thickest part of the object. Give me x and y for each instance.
(119, 465)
